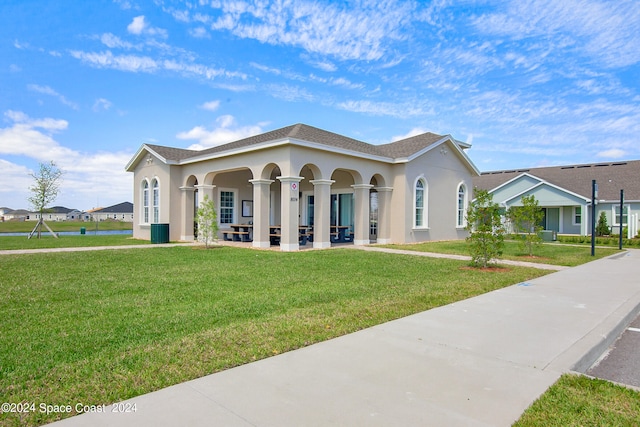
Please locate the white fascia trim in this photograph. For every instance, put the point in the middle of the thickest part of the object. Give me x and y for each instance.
(140, 154)
(540, 184)
(514, 179)
(288, 141)
(443, 140)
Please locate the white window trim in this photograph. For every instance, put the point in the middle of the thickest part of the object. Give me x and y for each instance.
(613, 214)
(465, 205)
(142, 211)
(574, 214)
(153, 201)
(425, 207)
(234, 214)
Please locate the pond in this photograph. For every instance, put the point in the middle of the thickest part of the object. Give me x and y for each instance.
(76, 233)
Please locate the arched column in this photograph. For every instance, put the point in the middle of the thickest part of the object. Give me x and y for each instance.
(261, 194)
(289, 212)
(361, 214)
(384, 214)
(187, 213)
(321, 213)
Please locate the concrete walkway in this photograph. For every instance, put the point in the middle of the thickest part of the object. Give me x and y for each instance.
(477, 362)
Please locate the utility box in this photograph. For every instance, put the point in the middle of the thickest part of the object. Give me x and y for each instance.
(159, 233)
(549, 235)
(83, 230)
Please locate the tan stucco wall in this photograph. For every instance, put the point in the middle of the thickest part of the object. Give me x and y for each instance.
(443, 172)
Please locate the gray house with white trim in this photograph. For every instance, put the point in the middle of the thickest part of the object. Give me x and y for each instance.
(564, 193)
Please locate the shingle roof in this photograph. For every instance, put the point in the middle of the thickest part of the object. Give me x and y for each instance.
(124, 207)
(403, 148)
(611, 178)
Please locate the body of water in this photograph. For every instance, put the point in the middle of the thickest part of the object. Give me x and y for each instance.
(76, 233)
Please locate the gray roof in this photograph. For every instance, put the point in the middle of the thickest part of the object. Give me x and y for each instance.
(611, 178)
(124, 207)
(402, 148)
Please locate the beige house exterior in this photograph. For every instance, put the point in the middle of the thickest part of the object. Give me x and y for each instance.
(302, 177)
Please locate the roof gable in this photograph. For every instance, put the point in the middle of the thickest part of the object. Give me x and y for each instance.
(611, 178)
(305, 135)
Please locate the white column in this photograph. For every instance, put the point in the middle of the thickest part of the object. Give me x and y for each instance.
(361, 214)
(289, 213)
(321, 213)
(584, 219)
(261, 194)
(384, 214)
(187, 213)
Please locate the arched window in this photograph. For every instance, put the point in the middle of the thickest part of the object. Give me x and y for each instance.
(420, 204)
(462, 206)
(145, 202)
(156, 201)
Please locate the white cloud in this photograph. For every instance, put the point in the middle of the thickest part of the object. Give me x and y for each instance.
(412, 132)
(87, 175)
(211, 105)
(132, 63)
(361, 31)
(140, 26)
(46, 90)
(226, 130)
(200, 33)
(102, 104)
(614, 153)
(383, 108)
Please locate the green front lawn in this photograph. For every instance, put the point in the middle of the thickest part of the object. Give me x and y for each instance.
(576, 400)
(58, 226)
(48, 241)
(100, 327)
(546, 253)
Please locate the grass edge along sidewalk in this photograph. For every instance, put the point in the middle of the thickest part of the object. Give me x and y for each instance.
(100, 327)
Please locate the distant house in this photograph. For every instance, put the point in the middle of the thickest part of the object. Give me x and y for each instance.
(56, 213)
(3, 211)
(120, 212)
(564, 193)
(17, 215)
(301, 180)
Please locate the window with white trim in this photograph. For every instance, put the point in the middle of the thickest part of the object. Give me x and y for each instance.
(227, 207)
(462, 206)
(145, 202)
(616, 214)
(156, 201)
(420, 204)
(577, 215)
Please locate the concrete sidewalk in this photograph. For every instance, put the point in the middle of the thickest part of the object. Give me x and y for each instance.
(477, 362)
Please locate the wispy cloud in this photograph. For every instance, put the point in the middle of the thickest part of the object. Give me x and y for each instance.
(361, 31)
(139, 26)
(384, 108)
(211, 105)
(226, 130)
(46, 90)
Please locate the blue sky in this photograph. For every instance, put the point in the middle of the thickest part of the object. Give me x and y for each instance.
(526, 82)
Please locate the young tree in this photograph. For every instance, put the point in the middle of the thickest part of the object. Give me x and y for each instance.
(526, 219)
(207, 218)
(602, 229)
(484, 222)
(44, 191)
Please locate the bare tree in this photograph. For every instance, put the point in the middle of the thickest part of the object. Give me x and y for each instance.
(43, 192)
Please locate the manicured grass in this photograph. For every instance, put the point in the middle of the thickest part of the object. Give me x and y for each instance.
(58, 226)
(99, 327)
(546, 253)
(576, 400)
(48, 241)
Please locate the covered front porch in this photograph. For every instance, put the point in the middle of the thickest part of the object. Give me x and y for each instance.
(291, 212)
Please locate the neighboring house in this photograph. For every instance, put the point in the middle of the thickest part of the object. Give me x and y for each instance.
(120, 212)
(564, 193)
(412, 190)
(3, 211)
(18, 215)
(56, 213)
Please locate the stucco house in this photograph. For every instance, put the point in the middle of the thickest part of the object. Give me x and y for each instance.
(119, 212)
(303, 181)
(564, 193)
